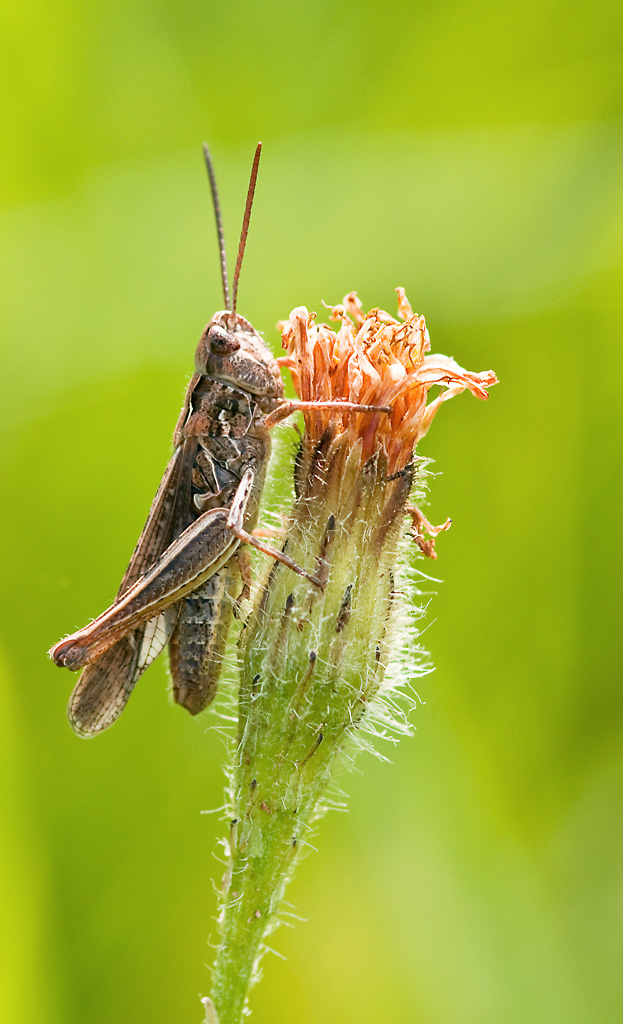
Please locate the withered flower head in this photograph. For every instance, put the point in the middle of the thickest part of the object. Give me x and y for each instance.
(373, 359)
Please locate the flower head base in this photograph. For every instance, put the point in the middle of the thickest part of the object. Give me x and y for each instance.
(373, 359)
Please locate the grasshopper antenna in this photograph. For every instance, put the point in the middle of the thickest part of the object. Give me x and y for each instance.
(219, 227)
(245, 223)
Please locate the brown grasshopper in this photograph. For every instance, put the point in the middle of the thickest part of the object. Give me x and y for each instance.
(188, 570)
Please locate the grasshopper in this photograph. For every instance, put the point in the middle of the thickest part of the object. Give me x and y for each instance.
(189, 571)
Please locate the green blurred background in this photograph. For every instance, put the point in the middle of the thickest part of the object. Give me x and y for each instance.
(472, 153)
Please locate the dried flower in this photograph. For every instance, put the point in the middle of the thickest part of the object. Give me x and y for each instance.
(314, 658)
(373, 359)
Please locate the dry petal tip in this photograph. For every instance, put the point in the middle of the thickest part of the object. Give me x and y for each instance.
(404, 306)
(354, 307)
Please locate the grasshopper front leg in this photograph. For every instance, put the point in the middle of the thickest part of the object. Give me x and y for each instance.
(235, 522)
(290, 405)
(192, 558)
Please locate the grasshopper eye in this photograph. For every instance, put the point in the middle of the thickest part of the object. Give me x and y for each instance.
(221, 342)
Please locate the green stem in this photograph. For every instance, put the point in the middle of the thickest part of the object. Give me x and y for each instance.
(257, 884)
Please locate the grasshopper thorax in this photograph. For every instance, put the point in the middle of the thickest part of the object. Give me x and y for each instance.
(231, 350)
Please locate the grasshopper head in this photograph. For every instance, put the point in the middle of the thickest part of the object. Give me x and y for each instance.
(231, 350)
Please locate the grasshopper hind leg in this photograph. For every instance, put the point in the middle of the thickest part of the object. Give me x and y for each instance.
(197, 646)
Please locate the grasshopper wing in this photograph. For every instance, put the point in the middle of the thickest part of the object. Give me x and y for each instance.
(168, 516)
(106, 684)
